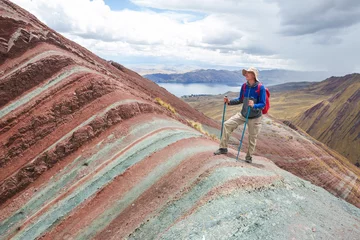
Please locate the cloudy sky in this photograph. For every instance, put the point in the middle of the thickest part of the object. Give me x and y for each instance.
(228, 34)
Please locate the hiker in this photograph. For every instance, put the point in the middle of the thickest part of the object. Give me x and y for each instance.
(250, 95)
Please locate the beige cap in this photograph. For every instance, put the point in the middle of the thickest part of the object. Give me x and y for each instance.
(253, 70)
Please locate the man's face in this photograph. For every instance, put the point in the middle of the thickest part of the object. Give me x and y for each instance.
(250, 76)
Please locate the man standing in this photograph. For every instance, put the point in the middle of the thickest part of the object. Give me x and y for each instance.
(251, 95)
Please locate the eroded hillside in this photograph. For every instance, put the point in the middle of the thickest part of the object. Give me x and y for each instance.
(335, 120)
(86, 152)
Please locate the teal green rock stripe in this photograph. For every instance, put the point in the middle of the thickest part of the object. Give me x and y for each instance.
(155, 175)
(88, 121)
(167, 217)
(32, 60)
(37, 91)
(102, 178)
(58, 182)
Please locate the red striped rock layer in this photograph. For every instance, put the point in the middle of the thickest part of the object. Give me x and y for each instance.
(56, 96)
(61, 109)
(145, 178)
(80, 83)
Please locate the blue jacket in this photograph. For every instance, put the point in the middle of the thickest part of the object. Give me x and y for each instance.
(251, 92)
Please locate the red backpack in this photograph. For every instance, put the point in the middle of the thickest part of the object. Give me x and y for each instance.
(267, 101)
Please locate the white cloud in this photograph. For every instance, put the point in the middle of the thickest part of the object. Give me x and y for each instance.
(308, 16)
(246, 7)
(263, 33)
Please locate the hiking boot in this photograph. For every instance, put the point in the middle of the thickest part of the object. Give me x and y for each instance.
(248, 159)
(221, 151)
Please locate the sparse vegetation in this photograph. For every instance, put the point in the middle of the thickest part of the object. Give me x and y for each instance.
(165, 105)
(199, 127)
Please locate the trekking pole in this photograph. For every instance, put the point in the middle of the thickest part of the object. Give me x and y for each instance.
(223, 118)
(242, 137)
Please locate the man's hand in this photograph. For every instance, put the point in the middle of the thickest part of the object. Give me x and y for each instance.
(251, 103)
(226, 100)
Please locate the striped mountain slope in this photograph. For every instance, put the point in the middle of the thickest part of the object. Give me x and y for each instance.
(87, 153)
(335, 121)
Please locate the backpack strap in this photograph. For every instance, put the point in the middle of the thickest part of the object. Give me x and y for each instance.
(243, 90)
(258, 89)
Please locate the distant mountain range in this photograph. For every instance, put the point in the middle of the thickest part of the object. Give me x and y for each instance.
(290, 86)
(268, 77)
